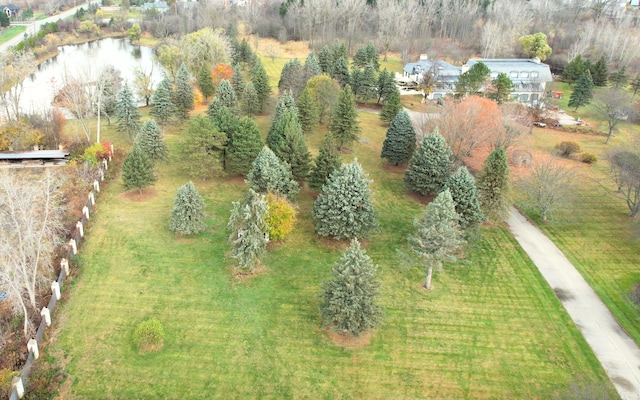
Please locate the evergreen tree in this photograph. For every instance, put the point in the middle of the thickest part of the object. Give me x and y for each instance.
(619, 79)
(247, 225)
(368, 87)
(285, 102)
(430, 165)
(250, 101)
(183, 96)
(205, 82)
(137, 170)
(599, 72)
(268, 173)
(465, 196)
(325, 60)
(149, 140)
(328, 160)
(386, 86)
(288, 144)
(187, 217)
(355, 80)
(349, 300)
(344, 119)
(391, 107)
(635, 85)
(574, 70)
(237, 81)
(292, 77)
(502, 88)
(162, 107)
(203, 149)
(226, 95)
(244, 147)
(582, 92)
(340, 71)
(127, 114)
(367, 55)
(311, 67)
(344, 208)
(493, 186)
(308, 113)
(437, 234)
(261, 84)
(471, 81)
(400, 142)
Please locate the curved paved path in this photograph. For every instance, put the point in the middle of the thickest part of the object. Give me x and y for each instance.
(617, 352)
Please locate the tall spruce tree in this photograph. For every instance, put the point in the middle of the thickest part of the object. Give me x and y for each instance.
(162, 107)
(149, 139)
(311, 67)
(270, 174)
(574, 70)
(344, 119)
(308, 112)
(391, 107)
(368, 86)
(188, 217)
(292, 77)
(226, 95)
(466, 198)
(224, 120)
(288, 144)
(619, 79)
(430, 166)
(127, 114)
(599, 72)
(250, 103)
(328, 160)
(386, 85)
(340, 71)
(261, 83)
(137, 170)
(493, 186)
(400, 143)
(237, 81)
(325, 60)
(583, 91)
(203, 149)
(344, 208)
(244, 147)
(437, 234)
(183, 96)
(205, 82)
(350, 298)
(248, 227)
(285, 102)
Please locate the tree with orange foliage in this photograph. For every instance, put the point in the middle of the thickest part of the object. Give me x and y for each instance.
(473, 123)
(220, 72)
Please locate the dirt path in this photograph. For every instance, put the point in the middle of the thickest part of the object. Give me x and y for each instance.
(617, 352)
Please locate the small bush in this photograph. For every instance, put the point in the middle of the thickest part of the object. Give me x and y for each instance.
(281, 217)
(567, 149)
(588, 158)
(93, 154)
(149, 336)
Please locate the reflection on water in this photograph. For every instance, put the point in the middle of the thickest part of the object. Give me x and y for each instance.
(85, 61)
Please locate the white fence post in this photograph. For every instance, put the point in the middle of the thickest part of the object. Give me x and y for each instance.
(44, 313)
(80, 228)
(74, 246)
(106, 165)
(64, 263)
(85, 211)
(92, 198)
(96, 186)
(17, 384)
(55, 289)
(32, 346)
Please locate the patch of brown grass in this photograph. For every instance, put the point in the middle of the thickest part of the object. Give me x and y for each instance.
(139, 196)
(348, 340)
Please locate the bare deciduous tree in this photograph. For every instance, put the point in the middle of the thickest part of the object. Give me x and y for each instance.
(613, 106)
(14, 68)
(624, 166)
(31, 222)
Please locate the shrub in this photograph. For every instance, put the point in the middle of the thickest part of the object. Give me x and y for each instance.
(588, 158)
(149, 336)
(281, 217)
(94, 153)
(567, 149)
(5, 382)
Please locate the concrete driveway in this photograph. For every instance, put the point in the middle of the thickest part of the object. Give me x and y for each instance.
(617, 352)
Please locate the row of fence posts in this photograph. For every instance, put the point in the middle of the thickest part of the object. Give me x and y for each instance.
(33, 345)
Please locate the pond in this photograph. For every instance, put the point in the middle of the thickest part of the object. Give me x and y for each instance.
(86, 60)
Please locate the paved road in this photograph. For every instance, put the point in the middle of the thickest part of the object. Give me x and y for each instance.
(34, 27)
(617, 352)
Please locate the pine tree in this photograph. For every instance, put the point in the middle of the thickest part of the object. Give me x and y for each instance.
(465, 196)
(127, 114)
(328, 160)
(205, 82)
(599, 72)
(311, 67)
(325, 60)
(340, 71)
(502, 88)
(355, 80)
(367, 55)
(437, 235)
(400, 142)
(635, 84)
(261, 84)
(349, 300)
(285, 102)
(244, 147)
(391, 107)
(162, 107)
(308, 113)
(582, 92)
(344, 208)
(292, 77)
(344, 119)
(250, 102)
(224, 120)
(226, 95)
(183, 96)
(493, 186)
(237, 81)
(574, 70)
(187, 217)
(368, 86)
(268, 173)
(430, 165)
(248, 227)
(149, 140)
(203, 149)
(288, 144)
(619, 79)
(137, 170)
(386, 86)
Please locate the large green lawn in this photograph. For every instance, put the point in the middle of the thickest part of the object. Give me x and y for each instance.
(491, 328)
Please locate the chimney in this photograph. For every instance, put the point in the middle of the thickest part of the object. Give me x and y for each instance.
(423, 57)
(464, 68)
(536, 60)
